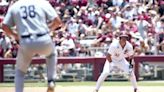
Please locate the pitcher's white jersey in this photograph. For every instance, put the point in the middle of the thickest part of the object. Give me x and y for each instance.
(30, 16)
(118, 53)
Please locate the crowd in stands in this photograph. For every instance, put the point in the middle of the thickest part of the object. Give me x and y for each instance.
(89, 26)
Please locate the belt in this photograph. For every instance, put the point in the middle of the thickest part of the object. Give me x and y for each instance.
(29, 35)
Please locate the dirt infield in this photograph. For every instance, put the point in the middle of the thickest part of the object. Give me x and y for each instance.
(88, 89)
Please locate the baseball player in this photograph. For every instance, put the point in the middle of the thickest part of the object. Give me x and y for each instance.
(32, 19)
(118, 51)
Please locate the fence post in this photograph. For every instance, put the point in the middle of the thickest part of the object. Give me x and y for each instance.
(98, 66)
(1, 72)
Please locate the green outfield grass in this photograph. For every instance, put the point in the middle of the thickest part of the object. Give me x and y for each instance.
(92, 83)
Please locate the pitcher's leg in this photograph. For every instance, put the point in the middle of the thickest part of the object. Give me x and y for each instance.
(51, 71)
(19, 80)
(22, 64)
(51, 66)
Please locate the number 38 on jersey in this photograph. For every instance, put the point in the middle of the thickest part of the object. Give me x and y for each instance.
(28, 11)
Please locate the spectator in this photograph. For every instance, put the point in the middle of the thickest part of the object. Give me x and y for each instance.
(68, 45)
(83, 3)
(82, 28)
(117, 2)
(161, 48)
(116, 21)
(129, 12)
(160, 26)
(84, 51)
(91, 3)
(5, 42)
(72, 26)
(142, 26)
(84, 18)
(124, 3)
(161, 8)
(12, 52)
(150, 41)
(142, 47)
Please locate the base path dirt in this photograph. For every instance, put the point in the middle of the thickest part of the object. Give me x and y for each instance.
(88, 89)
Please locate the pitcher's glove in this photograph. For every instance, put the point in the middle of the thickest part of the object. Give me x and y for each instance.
(131, 66)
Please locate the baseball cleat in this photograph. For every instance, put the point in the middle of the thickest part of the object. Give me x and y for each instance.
(136, 90)
(51, 87)
(95, 91)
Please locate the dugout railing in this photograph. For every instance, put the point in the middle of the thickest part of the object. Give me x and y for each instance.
(97, 62)
(146, 58)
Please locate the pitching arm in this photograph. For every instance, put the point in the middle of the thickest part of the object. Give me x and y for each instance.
(55, 24)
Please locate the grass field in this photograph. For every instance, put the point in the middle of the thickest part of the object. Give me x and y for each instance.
(89, 83)
(108, 86)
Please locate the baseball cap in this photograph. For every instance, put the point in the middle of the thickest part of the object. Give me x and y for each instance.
(1, 31)
(153, 12)
(162, 20)
(124, 34)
